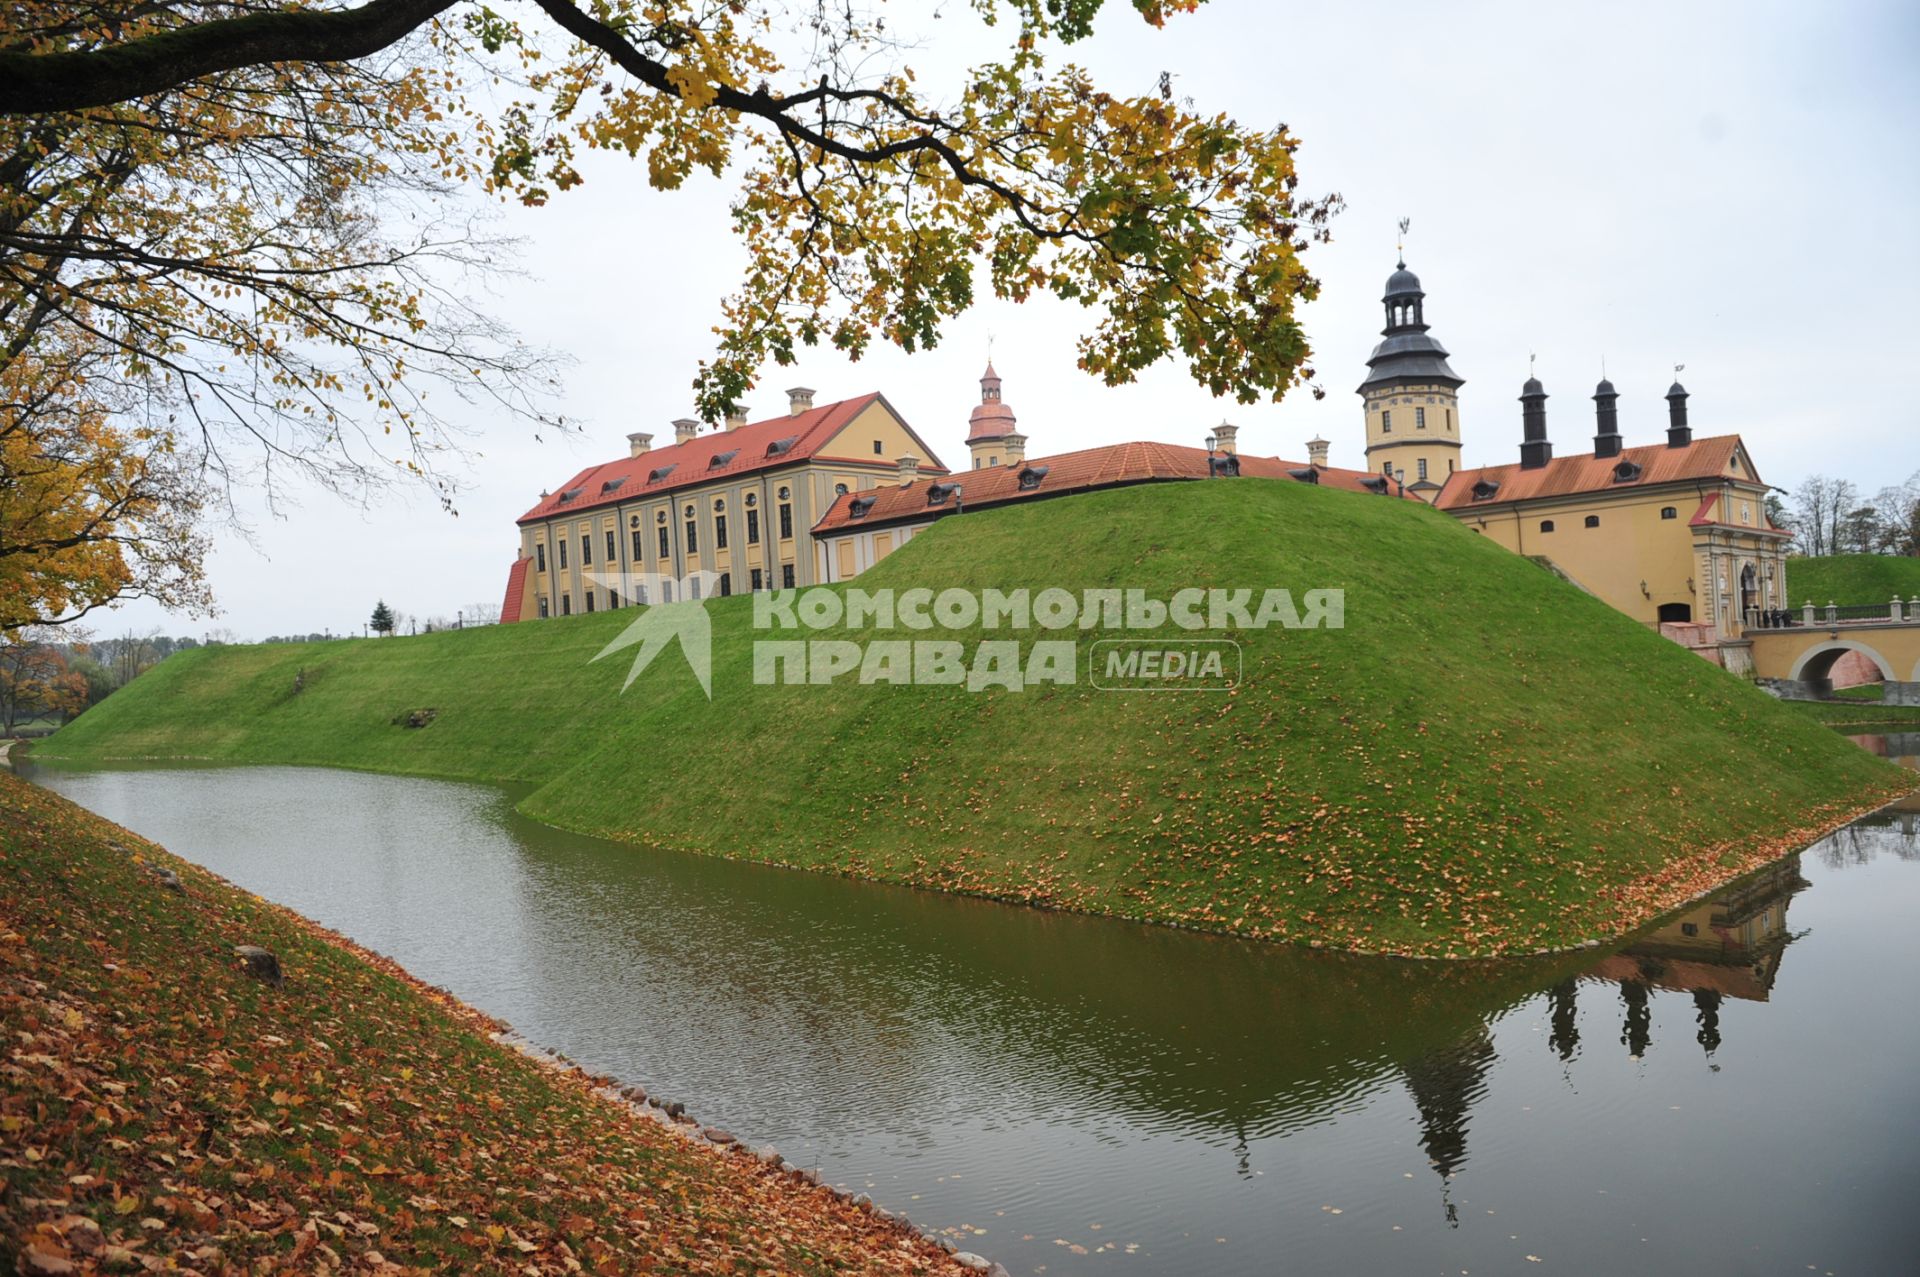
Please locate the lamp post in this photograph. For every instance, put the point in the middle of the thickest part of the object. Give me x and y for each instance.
(1213, 442)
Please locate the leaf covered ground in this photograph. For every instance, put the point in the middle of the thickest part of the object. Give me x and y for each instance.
(162, 1110)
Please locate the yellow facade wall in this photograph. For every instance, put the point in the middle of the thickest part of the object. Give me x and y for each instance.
(1410, 425)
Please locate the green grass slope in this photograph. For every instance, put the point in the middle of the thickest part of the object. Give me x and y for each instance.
(1483, 759)
(1852, 579)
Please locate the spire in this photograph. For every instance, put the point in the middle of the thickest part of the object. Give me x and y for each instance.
(1679, 433)
(992, 419)
(1535, 449)
(1606, 439)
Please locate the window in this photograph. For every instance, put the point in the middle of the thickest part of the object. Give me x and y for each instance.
(1449, 465)
(613, 546)
(839, 489)
(665, 548)
(693, 536)
(1486, 490)
(1386, 468)
(719, 531)
(540, 557)
(1668, 512)
(1422, 463)
(1689, 928)
(753, 526)
(561, 545)
(726, 584)
(613, 600)
(1546, 525)
(786, 575)
(586, 550)
(543, 607)
(1449, 418)
(1593, 520)
(1386, 423)
(641, 597)
(638, 545)
(756, 581)
(589, 600)
(693, 586)
(879, 449)
(786, 521)
(566, 605)
(1419, 418)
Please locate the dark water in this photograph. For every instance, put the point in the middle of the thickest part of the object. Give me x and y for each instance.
(1736, 1091)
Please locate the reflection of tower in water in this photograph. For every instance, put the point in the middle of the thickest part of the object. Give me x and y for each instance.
(1564, 1015)
(1445, 1085)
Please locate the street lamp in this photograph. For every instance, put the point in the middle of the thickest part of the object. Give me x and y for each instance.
(1213, 441)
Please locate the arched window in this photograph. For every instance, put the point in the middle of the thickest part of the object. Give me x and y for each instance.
(1593, 520)
(1668, 512)
(1546, 525)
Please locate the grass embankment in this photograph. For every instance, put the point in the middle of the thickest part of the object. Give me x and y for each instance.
(164, 1109)
(1852, 710)
(1483, 759)
(1852, 580)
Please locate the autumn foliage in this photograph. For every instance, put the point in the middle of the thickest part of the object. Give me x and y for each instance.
(164, 1110)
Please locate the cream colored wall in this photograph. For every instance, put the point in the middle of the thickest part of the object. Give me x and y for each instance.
(1633, 545)
(860, 549)
(1407, 443)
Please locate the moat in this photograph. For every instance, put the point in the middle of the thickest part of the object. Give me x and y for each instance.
(1729, 1091)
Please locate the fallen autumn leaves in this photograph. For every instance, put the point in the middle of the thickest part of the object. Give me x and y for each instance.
(162, 1110)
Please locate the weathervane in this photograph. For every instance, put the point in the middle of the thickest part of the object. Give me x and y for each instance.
(1400, 245)
(1530, 358)
(1677, 370)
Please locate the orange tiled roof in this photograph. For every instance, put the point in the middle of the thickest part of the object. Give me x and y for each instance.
(693, 462)
(1113, 465)
(516, 582)
(1567, 476)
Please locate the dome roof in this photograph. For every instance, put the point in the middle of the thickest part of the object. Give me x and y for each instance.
(1604, 388)
(990, 421)
(1533, 387)
(1403, 283)
(1676, 389)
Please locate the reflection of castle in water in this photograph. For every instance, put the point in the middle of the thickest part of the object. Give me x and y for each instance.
(1728, 945)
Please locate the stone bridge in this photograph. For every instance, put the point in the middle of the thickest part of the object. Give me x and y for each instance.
(1794, 653)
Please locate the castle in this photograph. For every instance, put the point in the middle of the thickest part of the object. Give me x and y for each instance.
(1673, 532)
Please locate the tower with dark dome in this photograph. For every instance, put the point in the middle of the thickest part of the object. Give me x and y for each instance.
(1412, 405)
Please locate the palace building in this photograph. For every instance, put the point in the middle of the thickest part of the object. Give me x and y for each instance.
(1673, 532)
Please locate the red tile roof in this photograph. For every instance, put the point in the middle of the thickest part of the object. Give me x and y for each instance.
(1704, 518)
(693, 462)
(1113, 465)
(516, 586)
(1566, 476)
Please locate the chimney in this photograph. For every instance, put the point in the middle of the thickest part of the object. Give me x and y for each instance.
(799, 399)
(736, 418)
(1535, 450)
(909, 469)
(1013, 446)
(684, 429)
(1679, 434)
(1317, 452)
(638, 443)
(1606, 443)
(1226, 433)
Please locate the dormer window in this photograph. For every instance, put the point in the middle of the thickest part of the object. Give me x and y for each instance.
(1485, 490)
(1031, 476)
(1227, 465)
(1626, 472)
(780, 447)
(858, 507)
(571, 494)
(720, 459)
(937, 493)
(1309, 475)
(613, 485)
(1375, 483)
(657, 475)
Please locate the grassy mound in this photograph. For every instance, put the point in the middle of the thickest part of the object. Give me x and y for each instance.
(1852, 579)
(163, 1109)
(1483, 759)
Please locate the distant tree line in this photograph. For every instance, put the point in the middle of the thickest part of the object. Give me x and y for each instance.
(1833, 516)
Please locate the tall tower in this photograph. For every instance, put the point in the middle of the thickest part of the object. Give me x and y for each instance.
(992, 436)
(1413, 412)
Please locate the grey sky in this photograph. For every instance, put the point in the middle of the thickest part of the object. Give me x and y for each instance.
(1729, 186)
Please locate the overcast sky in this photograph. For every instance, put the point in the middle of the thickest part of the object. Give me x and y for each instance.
(1728, 186)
